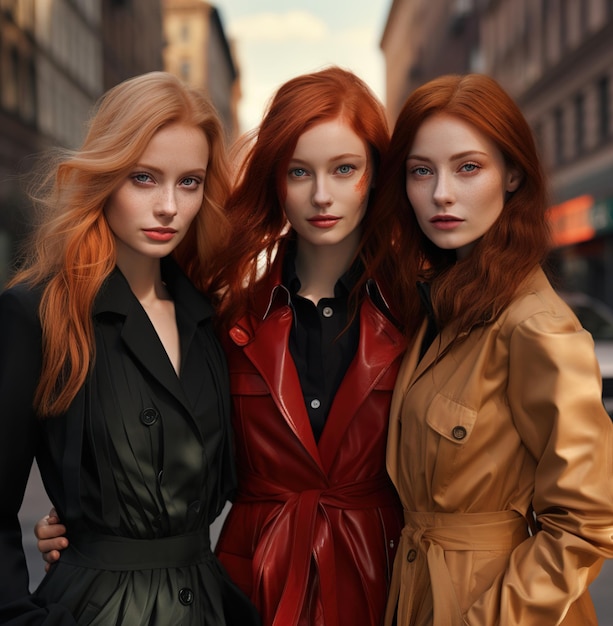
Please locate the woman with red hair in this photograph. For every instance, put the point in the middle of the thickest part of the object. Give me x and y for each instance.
(112, 377)
(499, 444)
(313, 352)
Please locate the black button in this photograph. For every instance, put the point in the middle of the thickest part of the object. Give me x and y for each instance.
(186, 596)
(459, 432)
(149, 416)
(411, 555)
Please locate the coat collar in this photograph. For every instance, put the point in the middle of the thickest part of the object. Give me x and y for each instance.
(536, 281)
(137, 332)
(115, 295)
(263, 336)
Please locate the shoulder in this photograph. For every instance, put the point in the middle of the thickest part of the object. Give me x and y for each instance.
(538, 307)
(22, 300)
(20, 327)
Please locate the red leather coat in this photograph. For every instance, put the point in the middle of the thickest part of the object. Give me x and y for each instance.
(312, 534)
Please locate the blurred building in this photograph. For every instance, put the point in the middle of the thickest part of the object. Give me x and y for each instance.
(423, 39)
(132, 39)
(198, 51)
(18, 135)
(555, 57)
(56, 58)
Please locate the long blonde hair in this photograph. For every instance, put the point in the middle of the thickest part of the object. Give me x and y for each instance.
(72, 251)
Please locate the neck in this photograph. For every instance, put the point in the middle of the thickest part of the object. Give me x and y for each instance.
(144, 278)
(320, 267)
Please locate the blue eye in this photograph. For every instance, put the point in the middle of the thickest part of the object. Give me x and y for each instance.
(345, 169)
(470, 167)
(190, 181)
(298, 172)
(141, 177)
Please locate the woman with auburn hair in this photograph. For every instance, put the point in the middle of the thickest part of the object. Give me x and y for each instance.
(499, 444)
(111, 374)
(313, 353)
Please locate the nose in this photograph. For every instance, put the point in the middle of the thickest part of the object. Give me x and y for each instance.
(167, 203)
(321, 193)
(443, 190)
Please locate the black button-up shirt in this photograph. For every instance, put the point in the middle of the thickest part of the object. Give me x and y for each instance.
(319, 344)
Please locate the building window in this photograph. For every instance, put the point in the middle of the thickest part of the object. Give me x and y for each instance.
(10, 86)
(604, 109)
(185, 31)
(537, 133)
(185, 70)
(564, 43)
(579, 124)
(558, 129)
(544, 32)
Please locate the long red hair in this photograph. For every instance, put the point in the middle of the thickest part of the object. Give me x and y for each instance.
(256, 206)
(475, 290)
(73, 249)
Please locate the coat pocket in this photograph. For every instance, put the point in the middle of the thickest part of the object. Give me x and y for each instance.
(450, 425)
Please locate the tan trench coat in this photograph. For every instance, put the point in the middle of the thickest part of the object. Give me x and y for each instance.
(510, 418)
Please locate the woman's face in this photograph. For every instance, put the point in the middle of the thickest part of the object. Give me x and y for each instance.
(456, 181)
(328, 183)
(151, 210)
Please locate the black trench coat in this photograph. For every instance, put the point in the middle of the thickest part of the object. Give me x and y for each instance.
(140, 455)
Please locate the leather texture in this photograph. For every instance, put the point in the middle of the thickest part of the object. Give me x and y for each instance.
(314, 529)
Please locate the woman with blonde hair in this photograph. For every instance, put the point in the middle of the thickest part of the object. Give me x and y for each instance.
(499, 445)
(111, 375)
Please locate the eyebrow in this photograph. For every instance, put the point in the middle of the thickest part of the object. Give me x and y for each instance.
(157, 170)
(347, 155)
(453, 157)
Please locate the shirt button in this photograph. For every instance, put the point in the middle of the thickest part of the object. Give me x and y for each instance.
(411, 555)
(149, 416)
(459, 432)
(186, 596)
(327, 311)
(315, 404)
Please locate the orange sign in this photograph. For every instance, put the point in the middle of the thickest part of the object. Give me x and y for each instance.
(570, 221)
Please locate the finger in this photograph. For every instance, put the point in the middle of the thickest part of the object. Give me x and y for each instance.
(52, 545)
(49, 531)
(51, 557)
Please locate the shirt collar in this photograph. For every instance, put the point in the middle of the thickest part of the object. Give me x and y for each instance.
(343, 286)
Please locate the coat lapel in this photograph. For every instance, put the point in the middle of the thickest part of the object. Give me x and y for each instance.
(140, 338)
(269, 353)
(139, 335)
(380, 344)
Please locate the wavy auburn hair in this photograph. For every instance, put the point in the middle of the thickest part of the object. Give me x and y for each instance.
(473, 291)
(256, 206)
(73, 249)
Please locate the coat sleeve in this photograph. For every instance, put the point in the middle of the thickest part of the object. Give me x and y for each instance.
(20, 363)
(555, 398)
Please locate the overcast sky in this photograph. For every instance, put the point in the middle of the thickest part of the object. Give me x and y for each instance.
(278, 39)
